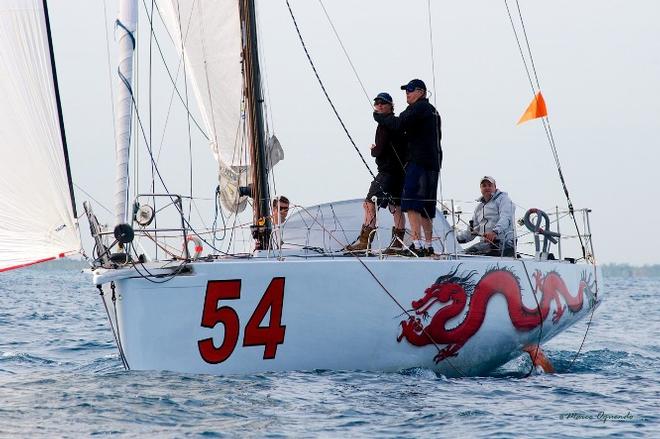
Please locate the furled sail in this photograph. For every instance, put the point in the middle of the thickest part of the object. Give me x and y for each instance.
(126, 25)
(209, 37)
(37, 220)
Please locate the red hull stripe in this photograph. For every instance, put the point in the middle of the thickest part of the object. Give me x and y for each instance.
(27, 264)
(61, 255)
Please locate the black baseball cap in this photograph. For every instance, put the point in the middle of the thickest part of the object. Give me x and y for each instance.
(383, 96)
(413, 85)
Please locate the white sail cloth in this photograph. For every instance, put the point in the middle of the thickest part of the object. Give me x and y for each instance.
(36, 215)
(208, 34)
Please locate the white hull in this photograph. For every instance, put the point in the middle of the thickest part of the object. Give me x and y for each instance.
(337, 316)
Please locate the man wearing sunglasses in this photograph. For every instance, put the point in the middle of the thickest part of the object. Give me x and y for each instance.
(280, 212)
(389, 152)
(420, 123)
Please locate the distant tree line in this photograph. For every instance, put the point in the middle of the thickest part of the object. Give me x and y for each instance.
(625, 270)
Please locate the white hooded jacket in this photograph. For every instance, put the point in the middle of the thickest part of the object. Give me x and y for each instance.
(495, 215)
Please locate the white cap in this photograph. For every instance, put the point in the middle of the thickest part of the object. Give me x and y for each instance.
(487, 178)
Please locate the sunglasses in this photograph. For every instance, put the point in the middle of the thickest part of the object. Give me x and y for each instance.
(410, 89)
(284, 207)
(381, 102)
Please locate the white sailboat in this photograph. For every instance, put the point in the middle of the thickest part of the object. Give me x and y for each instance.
(304, 306)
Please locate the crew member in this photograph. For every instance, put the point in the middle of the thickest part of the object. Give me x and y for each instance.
(492, 221)
(421, 125)
(390, 153)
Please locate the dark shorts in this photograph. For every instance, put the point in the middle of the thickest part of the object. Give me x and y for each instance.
(420, 190)
(387, 188)
(491, 249)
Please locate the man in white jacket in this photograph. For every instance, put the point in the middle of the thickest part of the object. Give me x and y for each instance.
(493, 221)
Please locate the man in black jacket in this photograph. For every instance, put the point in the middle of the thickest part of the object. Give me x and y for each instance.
(390, 153)
(421, 125)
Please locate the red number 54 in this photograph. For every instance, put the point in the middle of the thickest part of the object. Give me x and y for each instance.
(269, 336)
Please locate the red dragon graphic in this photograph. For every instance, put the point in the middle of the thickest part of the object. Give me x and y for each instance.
(456, 289)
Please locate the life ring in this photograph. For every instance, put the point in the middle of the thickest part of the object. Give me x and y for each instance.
(199, 248)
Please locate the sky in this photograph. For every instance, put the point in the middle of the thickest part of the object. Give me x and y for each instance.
(598, 64)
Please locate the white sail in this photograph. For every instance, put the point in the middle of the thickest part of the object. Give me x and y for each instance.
(36, 213)
(209, 37)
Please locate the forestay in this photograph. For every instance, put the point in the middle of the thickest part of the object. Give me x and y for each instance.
(36, 214)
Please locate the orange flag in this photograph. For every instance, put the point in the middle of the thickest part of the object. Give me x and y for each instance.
(535, 110)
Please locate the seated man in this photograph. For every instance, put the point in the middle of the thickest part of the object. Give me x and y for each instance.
(493, 221)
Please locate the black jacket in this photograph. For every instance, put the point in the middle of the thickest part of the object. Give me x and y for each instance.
(421, 125)
(390, 151)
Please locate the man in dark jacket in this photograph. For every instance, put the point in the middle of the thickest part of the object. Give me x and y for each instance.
(421, 125)
(390, 153)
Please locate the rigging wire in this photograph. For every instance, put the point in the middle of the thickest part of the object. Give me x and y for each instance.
(332, 105)
(341, 44)
(546, 119)
(435, 103)
(538, 309)
(174, 89)
(110, 77)
(173, 80)
(187, 104)
(112, 327)
(428, 7)
(134, 135)
(218, 211)
(327, 96)
(93, 199)
(162, 180)
(357, 77)
(119, 343)
(151, 277)
(140, 127)
(551, 141)
(350, 138)
(584, 338)
(151, 43)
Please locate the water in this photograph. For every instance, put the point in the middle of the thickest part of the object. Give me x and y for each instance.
(60, 376)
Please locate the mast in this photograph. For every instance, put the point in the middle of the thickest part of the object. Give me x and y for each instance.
(59, 111)
(261, 229)
(126, 25)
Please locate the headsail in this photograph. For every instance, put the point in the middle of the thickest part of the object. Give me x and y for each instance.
(208, 34)
(37, 220)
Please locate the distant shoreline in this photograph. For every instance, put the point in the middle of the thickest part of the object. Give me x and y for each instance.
(634, 271)
(609, 270)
